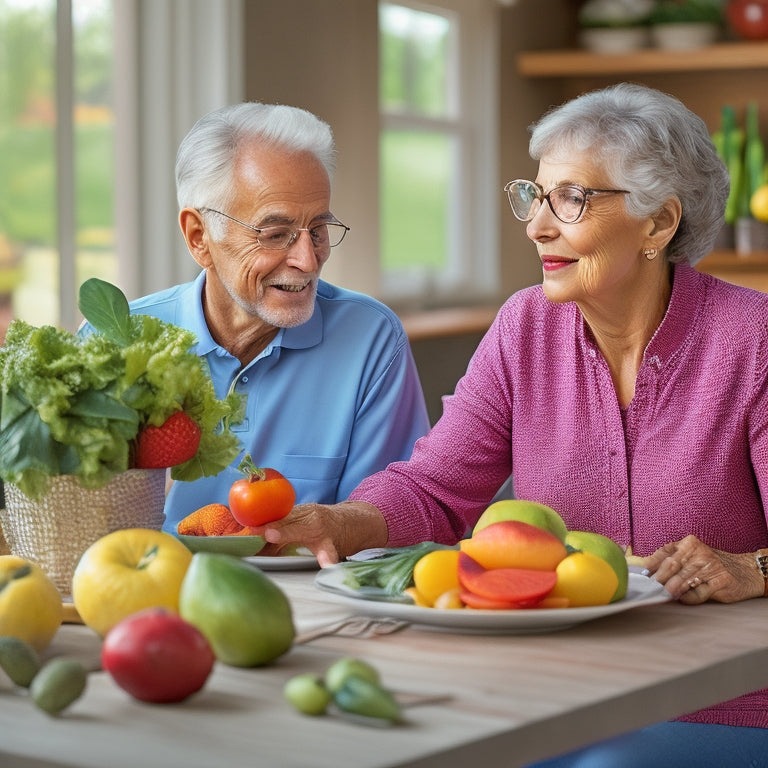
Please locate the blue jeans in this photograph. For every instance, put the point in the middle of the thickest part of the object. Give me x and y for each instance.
(673, 745)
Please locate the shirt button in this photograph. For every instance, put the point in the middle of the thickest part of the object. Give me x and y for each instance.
(244, 379)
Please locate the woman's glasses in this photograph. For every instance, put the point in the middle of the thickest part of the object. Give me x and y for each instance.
(567, 201)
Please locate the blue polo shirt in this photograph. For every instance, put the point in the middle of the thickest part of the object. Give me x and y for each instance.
(330, 402)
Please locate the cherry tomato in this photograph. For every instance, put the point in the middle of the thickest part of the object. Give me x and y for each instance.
(260, 497)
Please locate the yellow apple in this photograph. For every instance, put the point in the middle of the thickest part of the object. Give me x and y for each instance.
(530, 512)
(608, 550)
(30, 604)
(585, 579)
(126, 571)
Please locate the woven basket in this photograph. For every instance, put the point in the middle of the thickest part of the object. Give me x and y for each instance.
(55, 531)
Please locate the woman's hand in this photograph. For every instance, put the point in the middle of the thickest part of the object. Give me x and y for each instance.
(331, 531)
(693, 573)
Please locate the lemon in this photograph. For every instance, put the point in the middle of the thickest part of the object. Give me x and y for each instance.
(30, 604)
(758, 203)
(435, 573)
(585, 579)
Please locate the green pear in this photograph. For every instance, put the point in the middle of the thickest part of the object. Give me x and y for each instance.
(530, 512)
(245, 616)
(608, 550)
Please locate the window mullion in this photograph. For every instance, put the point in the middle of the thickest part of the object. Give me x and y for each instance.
(65, 164)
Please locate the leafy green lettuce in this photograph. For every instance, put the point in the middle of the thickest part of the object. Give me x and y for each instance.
(74, 405)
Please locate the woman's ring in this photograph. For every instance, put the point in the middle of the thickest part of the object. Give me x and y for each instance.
(694, 582)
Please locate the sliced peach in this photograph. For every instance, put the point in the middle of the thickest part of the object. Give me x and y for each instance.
(515, 544)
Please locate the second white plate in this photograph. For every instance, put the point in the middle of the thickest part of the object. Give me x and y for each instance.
(284, 562)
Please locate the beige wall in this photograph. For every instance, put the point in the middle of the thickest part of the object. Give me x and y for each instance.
(323, 56)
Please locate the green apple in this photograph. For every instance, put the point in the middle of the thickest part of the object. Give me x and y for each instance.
(245, 616)
(530, 512)
(608, 550)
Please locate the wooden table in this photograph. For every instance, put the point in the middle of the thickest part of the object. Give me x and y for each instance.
(513, 699)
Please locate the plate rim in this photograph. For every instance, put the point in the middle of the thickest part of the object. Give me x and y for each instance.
(517, 621)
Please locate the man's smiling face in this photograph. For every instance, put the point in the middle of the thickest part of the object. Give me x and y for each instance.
(273, 187)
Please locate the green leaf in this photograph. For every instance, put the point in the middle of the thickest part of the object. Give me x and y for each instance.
(105, 307)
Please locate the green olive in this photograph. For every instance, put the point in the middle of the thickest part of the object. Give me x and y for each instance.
(308, 694)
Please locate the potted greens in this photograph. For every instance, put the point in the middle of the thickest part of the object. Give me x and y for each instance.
(686, 23)
(614, 26)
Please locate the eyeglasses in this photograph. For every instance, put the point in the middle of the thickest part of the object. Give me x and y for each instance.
(326, 235)
(567, 201)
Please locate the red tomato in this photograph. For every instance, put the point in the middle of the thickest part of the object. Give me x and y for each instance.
(157, 657)
(265, 495)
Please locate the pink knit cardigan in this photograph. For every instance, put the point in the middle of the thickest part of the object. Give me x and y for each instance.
(689, 454)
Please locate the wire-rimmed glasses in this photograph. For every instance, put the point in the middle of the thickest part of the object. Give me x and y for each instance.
(276, 237)
(567, 201)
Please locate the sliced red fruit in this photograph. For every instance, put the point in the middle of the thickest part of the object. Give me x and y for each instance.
(471, 600)
(510, 585)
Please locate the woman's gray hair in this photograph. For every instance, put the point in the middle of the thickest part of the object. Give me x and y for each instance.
(651, 144)
(206, 156)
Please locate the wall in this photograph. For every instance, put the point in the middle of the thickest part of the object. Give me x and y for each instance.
(323, 56)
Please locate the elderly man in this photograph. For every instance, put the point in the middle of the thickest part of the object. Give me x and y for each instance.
(333, 392)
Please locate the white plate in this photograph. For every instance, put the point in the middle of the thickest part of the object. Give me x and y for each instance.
(284, 562)
(640, 591)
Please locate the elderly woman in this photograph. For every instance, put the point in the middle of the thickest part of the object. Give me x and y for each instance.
(628, 391)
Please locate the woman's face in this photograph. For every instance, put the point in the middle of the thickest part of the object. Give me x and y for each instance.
(597, 260)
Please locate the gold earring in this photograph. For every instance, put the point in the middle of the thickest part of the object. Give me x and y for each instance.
(650, 253)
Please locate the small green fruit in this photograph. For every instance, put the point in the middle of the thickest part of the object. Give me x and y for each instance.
(59, 683)
(360, 696)
(308, 694)
(340, 670)
(19, 660)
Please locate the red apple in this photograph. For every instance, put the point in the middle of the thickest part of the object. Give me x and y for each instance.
(749, 18)
(157, 657)
(515, 544)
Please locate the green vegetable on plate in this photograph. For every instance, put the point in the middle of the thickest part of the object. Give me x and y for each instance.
(392, 571)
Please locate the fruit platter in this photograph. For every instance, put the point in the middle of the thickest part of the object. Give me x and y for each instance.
(520, 570)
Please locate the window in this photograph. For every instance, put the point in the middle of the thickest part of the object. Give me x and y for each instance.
(437, 156)
(79, 78)
(56, 134)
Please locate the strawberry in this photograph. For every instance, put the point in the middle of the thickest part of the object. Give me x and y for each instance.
(173, 442)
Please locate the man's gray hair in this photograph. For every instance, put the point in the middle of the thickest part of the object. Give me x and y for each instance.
(206, 156)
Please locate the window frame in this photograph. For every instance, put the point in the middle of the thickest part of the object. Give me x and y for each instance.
(472, 270)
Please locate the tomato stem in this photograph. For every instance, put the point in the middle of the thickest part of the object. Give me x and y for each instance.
(250, 470)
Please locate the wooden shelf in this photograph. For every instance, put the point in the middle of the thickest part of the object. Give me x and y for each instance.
(757, 261)
(577, 63)
(749, 270)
